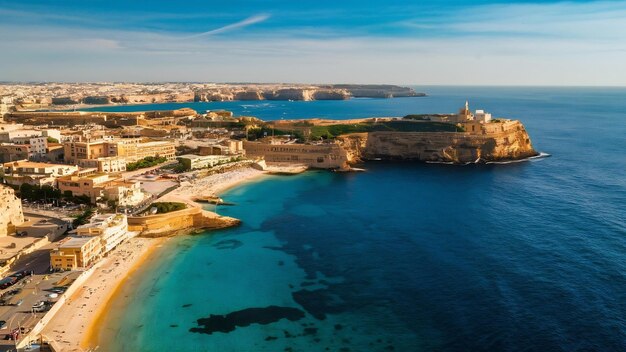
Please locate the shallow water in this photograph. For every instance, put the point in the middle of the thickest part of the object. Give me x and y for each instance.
(407, 257)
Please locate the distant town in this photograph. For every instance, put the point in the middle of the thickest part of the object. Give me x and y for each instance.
(36, 96)
(78, 185)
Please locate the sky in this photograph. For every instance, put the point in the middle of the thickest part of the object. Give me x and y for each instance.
(577, 43)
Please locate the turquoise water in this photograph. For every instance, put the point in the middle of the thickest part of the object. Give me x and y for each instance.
(411, 257)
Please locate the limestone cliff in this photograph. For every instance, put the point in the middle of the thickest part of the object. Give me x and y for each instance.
(499, 141)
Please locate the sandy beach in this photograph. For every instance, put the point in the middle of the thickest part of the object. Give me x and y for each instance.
(216, 184)
(70, 326)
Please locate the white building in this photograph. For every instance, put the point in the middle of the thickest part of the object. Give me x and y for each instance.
(125, 193)
(193, 162)
(111, 228)
(482, 116)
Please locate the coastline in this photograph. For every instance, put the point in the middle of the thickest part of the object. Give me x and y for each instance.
(74, 325)
(77, 326)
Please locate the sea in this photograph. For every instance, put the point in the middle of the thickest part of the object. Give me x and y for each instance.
(524, 256)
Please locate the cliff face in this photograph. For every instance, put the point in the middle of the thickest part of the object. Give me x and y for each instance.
(508, 141)
(378, 90)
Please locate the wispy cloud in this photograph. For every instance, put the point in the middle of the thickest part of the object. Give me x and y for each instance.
(231, 27)
(556, 43)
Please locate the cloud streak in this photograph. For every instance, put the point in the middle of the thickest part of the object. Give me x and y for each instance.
(234, 26)
(561, 43)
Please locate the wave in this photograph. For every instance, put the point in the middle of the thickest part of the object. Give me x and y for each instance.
(261, 105)
(478, 161)
(541, 155)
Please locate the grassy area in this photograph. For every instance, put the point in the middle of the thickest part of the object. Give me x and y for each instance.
(167, 207)
(332, 131)
(410, 123)
(145, 162)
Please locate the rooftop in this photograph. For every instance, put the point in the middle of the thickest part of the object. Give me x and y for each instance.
(154, 143)
(26, 163)
(75, 242)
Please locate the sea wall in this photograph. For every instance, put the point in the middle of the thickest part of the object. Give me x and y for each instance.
(185, 220)
(499, 142)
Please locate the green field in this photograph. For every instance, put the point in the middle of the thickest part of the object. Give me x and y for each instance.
(332, 131)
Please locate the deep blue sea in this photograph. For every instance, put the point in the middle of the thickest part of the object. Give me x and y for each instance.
(526, 256)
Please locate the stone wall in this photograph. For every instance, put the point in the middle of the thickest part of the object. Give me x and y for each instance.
(178, 221)
(322, 156)
(508, 141)
(11, 213)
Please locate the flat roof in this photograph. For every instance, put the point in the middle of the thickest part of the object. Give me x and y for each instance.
(154, 143)
(76, 242)
(24, 163)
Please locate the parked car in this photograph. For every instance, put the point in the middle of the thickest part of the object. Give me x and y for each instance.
(3, 324)
(19, 302)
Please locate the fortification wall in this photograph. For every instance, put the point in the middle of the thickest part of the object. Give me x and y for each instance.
(178, 221)
(323, 156)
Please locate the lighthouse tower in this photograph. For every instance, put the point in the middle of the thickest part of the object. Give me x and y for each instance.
(465, 114)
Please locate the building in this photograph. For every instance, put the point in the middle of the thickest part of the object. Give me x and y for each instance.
(14, 152)
(110, 164)
(37, 174)
(74, 151)
(324, 156)
(38, 146)
(90, 185)
(11, 213)
(78, 252)
(16, 133)
(138, 151)
(482, 116)
(225, 147)
(111, 229)
(234, 146)
(124, 193)
(131, 149)
(193, 162)
(11, 135)
(213, 150)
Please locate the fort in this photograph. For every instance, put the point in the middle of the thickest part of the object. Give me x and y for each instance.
(324, 156)
(460, 138)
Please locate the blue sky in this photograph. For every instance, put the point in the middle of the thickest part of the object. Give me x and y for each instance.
(402, 42)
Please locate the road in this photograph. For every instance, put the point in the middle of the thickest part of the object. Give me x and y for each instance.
(31, 290)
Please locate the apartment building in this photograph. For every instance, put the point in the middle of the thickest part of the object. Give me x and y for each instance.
(37, 174)
(77, 252)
